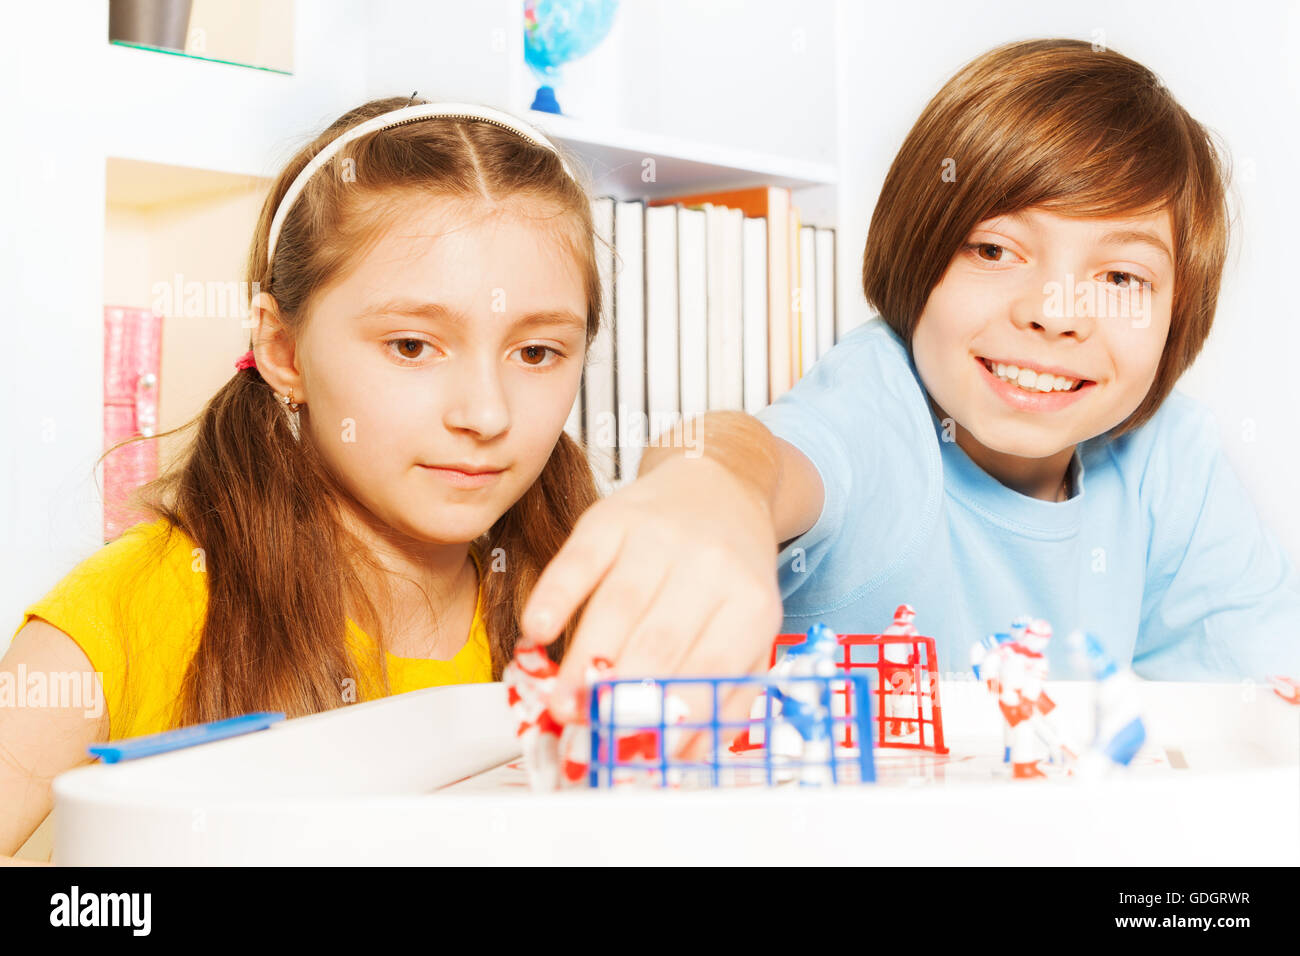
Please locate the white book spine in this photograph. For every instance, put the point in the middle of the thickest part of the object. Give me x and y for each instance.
(755, 280)
(733, 316)
(807, 298)
(716, 277)
(663, 378)
(692, 283)
(825, 291)
(629, 335)
(598, 376)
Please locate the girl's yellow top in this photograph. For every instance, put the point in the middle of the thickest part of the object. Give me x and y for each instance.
(137, 613)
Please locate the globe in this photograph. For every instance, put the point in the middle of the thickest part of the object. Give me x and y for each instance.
(557, 31)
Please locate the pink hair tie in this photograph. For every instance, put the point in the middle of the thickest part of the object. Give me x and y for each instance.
(246, 361)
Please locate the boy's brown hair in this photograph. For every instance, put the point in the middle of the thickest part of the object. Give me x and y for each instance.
(1056, 124)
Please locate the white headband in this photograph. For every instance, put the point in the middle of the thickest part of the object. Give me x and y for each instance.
(399, 117)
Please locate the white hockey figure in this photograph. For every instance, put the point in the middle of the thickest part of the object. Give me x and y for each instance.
(1022, 670)
(984, 662)
(638, 709)
(898, 672)
(1118, 729)
(805, 705)
(530, 680)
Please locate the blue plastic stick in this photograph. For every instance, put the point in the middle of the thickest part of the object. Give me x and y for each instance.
(146, 746)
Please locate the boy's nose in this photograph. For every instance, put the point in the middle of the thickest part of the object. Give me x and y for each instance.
(1054, 310)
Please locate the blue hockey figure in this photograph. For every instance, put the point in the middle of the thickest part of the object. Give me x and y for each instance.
(1119, 731)
(806, 704)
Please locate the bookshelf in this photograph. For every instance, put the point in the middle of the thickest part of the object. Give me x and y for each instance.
(721, 95)
(615, 155)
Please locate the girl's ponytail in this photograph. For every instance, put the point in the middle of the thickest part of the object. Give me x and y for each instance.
(259, 505)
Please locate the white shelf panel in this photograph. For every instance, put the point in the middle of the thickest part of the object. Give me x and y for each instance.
(615, 158)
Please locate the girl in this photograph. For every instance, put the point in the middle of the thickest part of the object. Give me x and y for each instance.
(385, 473)
(1004, 438)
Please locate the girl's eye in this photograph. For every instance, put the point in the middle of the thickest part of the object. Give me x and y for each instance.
(409, 349)
(1127, 280)
(535, 355)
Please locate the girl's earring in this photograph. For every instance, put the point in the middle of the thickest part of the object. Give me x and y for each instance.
(292, 407)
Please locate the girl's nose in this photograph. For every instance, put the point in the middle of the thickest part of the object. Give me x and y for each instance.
(477, 402)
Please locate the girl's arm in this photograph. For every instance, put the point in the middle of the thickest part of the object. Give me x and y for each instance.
(678, 568)
(38, 742)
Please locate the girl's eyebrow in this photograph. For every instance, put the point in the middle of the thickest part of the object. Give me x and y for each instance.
(437, 312)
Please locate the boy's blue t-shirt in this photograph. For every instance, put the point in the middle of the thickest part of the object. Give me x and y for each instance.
(1159, 552)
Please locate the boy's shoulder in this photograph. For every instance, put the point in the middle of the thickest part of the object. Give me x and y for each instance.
(1181, 424)
(1178, 444)
(875, 341)
(869, 365)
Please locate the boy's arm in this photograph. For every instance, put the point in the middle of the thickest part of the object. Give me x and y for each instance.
(776, 470)
(676, 572)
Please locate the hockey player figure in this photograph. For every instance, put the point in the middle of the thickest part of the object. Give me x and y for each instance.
(1119, 731)
(898, 672)
(806, 704)
(636, 710)
(530, 680)
(984, 661)
(1022, 669)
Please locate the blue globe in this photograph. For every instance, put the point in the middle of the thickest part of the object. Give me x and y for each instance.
(557, 31)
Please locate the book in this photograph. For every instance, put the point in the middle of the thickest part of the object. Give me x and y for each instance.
(663, 380)
(725, 228)
(598, 375)
(629, 334)
(827, 334)
(807, 298)
(773, 204)
(795, 343)
(693, 310)
(755, 314)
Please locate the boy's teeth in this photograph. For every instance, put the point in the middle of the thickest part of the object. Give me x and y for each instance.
(1030, 380)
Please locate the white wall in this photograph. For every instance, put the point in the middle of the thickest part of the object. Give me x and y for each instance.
(1235, 68)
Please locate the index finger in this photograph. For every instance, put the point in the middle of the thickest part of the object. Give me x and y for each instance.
(569, 578)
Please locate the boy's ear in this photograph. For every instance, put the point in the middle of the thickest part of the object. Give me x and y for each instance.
(274, 349)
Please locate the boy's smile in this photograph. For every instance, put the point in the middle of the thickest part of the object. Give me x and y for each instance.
(1045, 331)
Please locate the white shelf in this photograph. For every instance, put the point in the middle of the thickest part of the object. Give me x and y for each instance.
(615, 157)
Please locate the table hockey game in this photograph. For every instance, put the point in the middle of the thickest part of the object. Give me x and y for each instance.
(435, 777)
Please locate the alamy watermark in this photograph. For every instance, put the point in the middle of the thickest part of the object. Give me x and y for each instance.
(183, 298)
(1071, 300)
(23, 688)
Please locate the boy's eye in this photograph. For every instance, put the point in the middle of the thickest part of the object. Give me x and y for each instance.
(986, 251)
(535, 355)
(1127, 280)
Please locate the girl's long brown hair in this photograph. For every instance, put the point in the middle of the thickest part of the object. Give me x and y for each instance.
(1058, 124)
(283, 572)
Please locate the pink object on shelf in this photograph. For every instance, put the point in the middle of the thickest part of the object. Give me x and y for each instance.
(132, 362)
(1288, 688)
